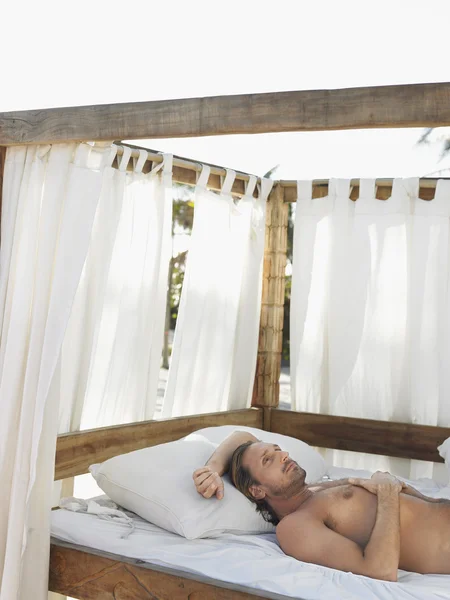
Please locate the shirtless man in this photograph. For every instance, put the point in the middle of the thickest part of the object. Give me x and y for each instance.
(371, 527)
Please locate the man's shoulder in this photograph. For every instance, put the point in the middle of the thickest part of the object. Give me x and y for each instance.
(304, 516)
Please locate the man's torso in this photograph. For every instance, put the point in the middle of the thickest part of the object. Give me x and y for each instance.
(424, 527)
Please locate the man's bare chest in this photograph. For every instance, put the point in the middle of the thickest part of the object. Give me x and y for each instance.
(349, 510)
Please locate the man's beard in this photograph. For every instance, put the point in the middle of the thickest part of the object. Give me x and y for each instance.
(294, 485)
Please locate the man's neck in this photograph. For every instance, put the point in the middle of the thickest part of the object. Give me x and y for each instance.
(285, 506)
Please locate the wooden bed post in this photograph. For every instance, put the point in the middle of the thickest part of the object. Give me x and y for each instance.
(266, 389)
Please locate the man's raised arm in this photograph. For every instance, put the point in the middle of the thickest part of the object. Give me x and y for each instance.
(208, 479)
(307, 538)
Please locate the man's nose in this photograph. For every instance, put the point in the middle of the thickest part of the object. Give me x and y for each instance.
(284, 456)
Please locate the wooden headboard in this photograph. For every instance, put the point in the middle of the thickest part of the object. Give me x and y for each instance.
(76, 451)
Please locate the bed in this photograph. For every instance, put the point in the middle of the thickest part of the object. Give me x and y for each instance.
(89, 560)
(252, 564)
(82, 567)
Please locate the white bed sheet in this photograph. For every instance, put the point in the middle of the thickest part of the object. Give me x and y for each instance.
(251, 560)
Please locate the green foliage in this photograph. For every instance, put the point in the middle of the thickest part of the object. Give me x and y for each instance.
(178, 270)
(182, 222)
(183, 214)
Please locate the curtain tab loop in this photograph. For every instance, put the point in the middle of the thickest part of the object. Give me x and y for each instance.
(411, 185)
(304, 190)
(265, 187)
(228, 182)
(140, 162)
(342, 187)
(167, 165)
(332, 187)
(41, 151)
(251, 184)
(82, 153)
(202, 179)
(108, 157)
(123, 161)
(367, 188)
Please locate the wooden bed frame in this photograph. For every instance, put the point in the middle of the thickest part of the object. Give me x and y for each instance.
(88, 574)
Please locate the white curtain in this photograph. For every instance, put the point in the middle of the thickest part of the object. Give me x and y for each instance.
(370, 309)
(50, 196)
(216, 338)
(84, 260)
(112, 350)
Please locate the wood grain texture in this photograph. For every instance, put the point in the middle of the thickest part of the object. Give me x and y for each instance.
(418, 105)
(401, 440)
(266, 389)
(96, 575)
(75, 452)
(186, 171)
(189, 177)
(383, 191)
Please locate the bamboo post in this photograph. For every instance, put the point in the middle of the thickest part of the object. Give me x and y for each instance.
(266, 389)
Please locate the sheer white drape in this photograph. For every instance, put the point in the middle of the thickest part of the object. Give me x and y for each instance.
(216, 338)
(370, 318)
(50, 197)
(112, 350)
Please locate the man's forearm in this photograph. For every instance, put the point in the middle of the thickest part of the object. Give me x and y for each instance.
(382, 553)
(220, 460)
(410, 491)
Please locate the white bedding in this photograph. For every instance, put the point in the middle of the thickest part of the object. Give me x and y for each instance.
(250, 560)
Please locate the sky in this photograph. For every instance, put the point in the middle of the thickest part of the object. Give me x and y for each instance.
(92, 52)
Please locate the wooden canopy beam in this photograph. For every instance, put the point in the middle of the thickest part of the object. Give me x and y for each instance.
(417, 105)
(401, 440)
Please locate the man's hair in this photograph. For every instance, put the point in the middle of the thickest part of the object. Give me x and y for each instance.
(242, 480)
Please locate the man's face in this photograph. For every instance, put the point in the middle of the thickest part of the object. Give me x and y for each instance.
(276, 473)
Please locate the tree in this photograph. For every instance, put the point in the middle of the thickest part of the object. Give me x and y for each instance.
(182, 221)
(442, 138)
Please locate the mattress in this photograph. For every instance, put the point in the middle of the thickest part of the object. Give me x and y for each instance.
(254, 561)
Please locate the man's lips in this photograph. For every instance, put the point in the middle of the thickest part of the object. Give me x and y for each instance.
(290, 466)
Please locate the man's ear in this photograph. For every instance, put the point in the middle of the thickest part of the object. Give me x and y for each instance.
(257, 492)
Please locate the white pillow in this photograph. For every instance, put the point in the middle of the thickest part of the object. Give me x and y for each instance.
(444, 451)
(308, 458)
(156, 483)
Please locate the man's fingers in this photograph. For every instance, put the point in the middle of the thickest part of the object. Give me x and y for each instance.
(202, 487)
(211, 481)
(208, 483)
(200, 471)
(210, 490)
(220, 490)
(202, 478)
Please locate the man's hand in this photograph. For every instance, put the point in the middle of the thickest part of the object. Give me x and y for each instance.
(208, 483)
(379, 482)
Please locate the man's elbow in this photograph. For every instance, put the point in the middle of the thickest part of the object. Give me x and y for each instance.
(384, 575)
(391, 576)
(244, 436)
